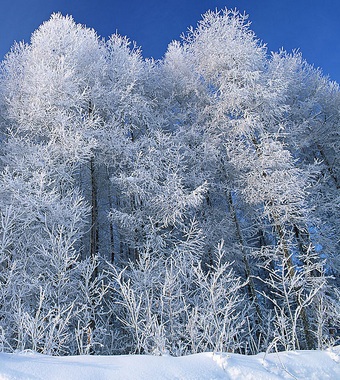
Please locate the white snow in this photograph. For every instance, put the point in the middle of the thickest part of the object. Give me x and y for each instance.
(300, 365)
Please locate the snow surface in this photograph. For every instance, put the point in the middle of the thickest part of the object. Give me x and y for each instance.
(300, 365)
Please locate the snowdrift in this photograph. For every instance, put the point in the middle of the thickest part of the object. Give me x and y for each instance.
(300, 365)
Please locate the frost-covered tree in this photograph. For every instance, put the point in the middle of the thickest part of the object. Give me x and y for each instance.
(312, 136)
(156, 207)
(228, 63)
(47, 128)
(266, 190)
(123, 106)
(172, 305)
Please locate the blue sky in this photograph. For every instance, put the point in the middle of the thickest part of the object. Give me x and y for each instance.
(310, 25)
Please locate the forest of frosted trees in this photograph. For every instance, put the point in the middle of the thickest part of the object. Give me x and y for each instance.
(176, 206)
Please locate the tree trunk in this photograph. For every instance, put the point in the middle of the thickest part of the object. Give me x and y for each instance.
(249, 278)
(291, 272)
(94, 213)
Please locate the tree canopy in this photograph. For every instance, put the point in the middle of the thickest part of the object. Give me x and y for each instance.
(183, 205)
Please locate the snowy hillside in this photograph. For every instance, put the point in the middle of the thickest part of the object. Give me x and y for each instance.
(284, 365)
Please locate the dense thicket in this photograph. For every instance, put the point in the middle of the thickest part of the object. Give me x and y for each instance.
(183, 205)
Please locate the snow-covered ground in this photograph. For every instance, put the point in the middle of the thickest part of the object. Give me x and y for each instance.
(300, 365)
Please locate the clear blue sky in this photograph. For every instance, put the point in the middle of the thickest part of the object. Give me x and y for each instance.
(313, 26)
